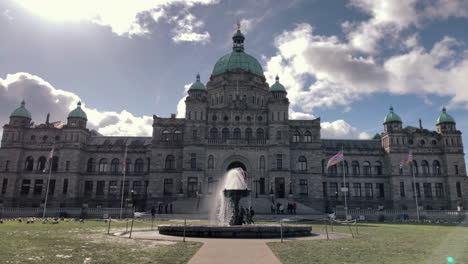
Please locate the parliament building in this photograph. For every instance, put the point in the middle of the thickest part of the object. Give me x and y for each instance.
(236, 120)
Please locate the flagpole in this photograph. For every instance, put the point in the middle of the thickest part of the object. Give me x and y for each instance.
(414, 190)
(344, 186)
(51, 160)
(123, 180)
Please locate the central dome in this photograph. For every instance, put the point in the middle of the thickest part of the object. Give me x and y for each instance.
(238, 59)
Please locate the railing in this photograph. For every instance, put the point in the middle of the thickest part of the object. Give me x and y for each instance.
(220, 141)
(96, 213)
(373, 214)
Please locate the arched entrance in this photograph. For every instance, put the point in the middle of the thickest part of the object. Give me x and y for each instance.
(236, 164)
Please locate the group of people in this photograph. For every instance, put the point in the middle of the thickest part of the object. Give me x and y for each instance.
(279, 208)
(162, 209)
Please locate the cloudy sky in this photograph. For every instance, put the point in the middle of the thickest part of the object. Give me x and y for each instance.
(345, 61)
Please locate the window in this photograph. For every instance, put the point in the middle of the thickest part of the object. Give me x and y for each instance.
(418, 190)
(100, 185)
(170, 163)
(323, 166)
(38, 184)
(139, 166)
(278, 135)
(279, 162)
(67, 165)
(88, 188)
(414, 167)
(194, 134)
(296, 136)
(303, 187)
(367, 168)
(137, 188)
(126, 186)
(262, 163)
(307, 137)
(51, 187)
(237, 133)
(214, 133)
(333, 189)
(225, 133)
(380, 190)
(459, 192)
(41, 163)
(427, 190)
(166, 135)
(355, 167)
(347, 187)
(55, 162)
(260, 134)
(25, 186)
(402, 189)
(90, 165)
(425, 167)
(210, 162)
(248, 133)
(346, 168)
(7, 165)
(65, 186)
(439, 190)
(29, 164)
(436, 167)
(368, 190)
(456, 169)
(193, 161)
(113, 189)
(324, 189)
(302, 163)
(114, 168)
(210, 185)
(177, 135)
(333, 170)
(103, 165)
(4, 186)
(378, 168)
(262, 185)
(127, 165)
(356, 189)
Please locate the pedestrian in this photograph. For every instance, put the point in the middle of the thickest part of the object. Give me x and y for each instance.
(242, 215)
(294, 207)
(153, 211)
(289, 208)
(252, 213)
(159, 208)
(272, 209)
(278, 205)
(170, 208)
(165, 208)
(281, 208)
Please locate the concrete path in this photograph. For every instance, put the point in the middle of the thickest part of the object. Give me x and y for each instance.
(233, 251)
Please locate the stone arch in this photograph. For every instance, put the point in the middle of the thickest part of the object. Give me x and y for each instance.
(236, 160)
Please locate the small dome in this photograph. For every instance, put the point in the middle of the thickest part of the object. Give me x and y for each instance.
(445, 118)
(21, 111)
(197, 85)
(78, 112)
(392, 117)
(277, 86)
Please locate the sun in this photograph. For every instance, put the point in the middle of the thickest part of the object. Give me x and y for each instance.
(60, 10)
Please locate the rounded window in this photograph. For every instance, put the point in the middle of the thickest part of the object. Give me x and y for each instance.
(422, 142)
(226, 118)
(249, 118)
(259, 118)
(434, 142)
(237, 118)
(214, 118)
(410, 141)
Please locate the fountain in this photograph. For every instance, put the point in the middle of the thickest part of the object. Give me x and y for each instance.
(229, 213)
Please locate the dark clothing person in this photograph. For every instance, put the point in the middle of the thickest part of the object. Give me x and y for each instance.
(153, 211)
(170, 208)
(272, 209)
(165, 208)
(294, 207)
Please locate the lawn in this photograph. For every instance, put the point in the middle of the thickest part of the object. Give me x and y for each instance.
(381, 243)
(75, 242)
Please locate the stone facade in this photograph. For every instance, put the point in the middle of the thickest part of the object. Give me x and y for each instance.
(236, 121)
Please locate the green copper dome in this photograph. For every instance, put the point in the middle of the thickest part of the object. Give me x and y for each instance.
(392, 117)
(445, 118)
(197, 85)
(238, 59)
(21, 111)
(78, 112)
(277, 86)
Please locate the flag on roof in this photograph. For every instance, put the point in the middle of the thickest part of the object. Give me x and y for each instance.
(58, 124)
(335, 159)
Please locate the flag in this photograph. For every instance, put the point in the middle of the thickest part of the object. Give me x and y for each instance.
(406, 160)
(124, 164)
(49, 159)
(58, 124)
(335, 159)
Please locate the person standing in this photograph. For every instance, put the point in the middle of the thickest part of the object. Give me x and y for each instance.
(294, 207)
(170, 208)
(153, 211)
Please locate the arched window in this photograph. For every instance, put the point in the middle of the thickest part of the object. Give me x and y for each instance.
(302, 163)
(260, 134)
(193, 161)
(355, 167)
(308, 137)
(248, 133)
(237, 133)
(225, 133)
(177, 135)
(296, 136)
(41, 163)
(128, 165)
(346, 168)
(414, 167)
(115, 164)
(90, 166)
(425, 167)
(333, 170)
(210, 162)
(378, 168)
(214, 133)
(29, 164)
(103, 165)
(262, 163)
(436, 167)
(139, 166)
(55, 162)
(170, 163)
(166, 135)
(366, 168)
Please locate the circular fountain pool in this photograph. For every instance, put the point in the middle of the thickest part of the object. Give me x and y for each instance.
(245, 231)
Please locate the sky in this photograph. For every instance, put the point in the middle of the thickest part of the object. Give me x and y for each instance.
(345, 61)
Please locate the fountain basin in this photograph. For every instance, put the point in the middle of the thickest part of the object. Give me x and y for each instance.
(245, 231)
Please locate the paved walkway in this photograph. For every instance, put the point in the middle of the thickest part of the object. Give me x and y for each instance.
(233, 251)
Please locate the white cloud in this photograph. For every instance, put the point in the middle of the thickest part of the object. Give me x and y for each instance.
(341, 129)
(186, 27)
(121, 16)
(181, 103)
(42, 98)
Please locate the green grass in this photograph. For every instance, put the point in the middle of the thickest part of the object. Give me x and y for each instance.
(74, 242)
(380, 243)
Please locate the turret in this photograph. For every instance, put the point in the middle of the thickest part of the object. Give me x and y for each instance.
(392, 122)
(445, 122)
(21, 117)
(195, 104)
(77, 118)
